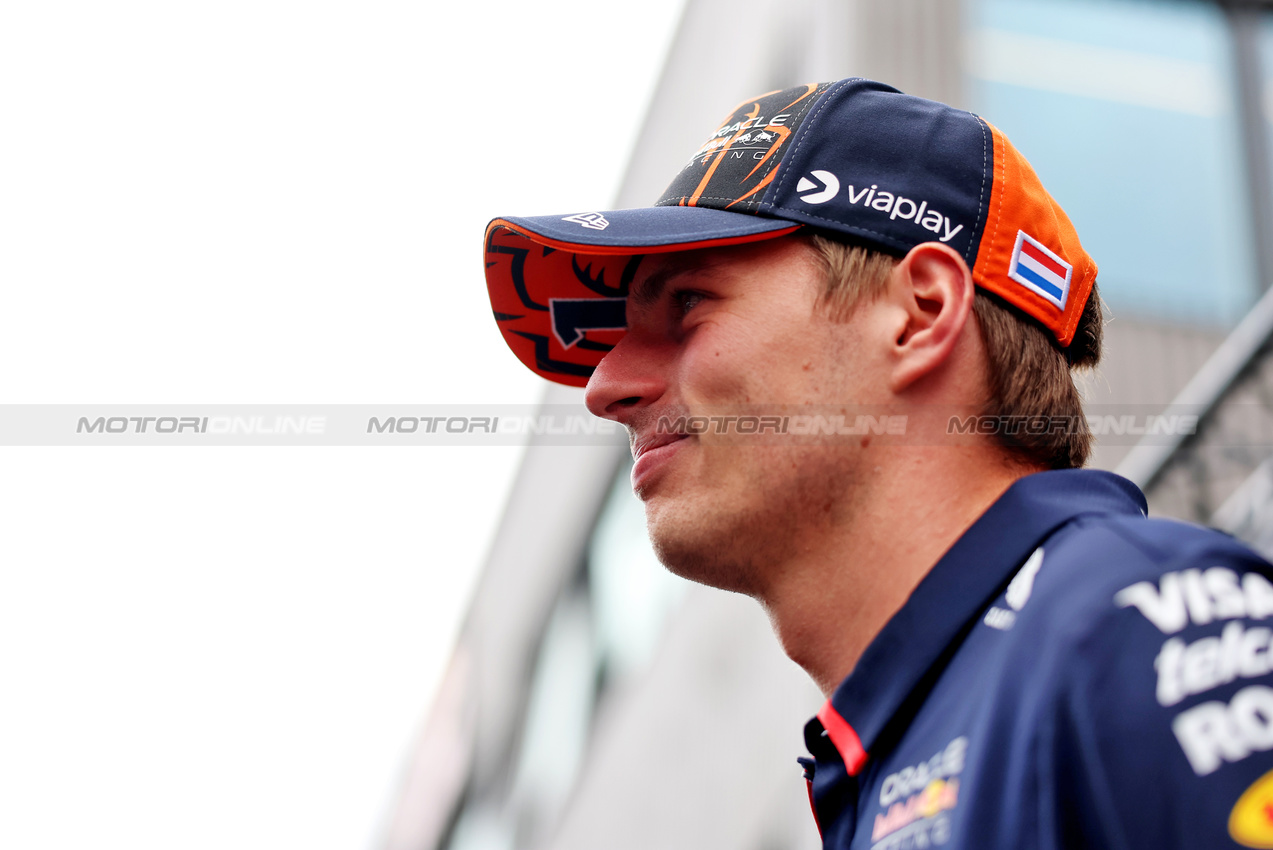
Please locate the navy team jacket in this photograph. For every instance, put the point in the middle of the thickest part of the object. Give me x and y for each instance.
(1069, 674)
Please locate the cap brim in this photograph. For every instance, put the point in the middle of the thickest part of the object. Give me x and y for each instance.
(559, 284)
(647, 230)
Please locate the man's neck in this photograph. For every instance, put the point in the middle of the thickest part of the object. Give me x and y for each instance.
(834, 597)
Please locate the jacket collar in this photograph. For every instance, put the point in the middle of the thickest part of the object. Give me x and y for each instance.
(905, 658)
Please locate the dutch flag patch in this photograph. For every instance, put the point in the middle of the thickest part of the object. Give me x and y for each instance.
(1039, 270)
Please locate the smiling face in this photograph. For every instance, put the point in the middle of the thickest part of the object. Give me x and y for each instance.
(732, 331)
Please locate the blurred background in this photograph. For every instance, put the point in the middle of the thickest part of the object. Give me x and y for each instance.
(472, 648)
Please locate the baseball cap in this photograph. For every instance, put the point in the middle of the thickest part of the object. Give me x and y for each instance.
(854, 160)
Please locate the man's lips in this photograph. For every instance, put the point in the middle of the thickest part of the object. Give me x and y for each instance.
(641, 445)
(650, 453)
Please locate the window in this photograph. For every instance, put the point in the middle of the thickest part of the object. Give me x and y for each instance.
(1128, 111)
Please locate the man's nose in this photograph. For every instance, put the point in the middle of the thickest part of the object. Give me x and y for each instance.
(631, 376)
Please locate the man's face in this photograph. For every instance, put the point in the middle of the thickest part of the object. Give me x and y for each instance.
(737, 331)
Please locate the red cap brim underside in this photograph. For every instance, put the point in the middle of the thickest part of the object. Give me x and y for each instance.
(561, 305)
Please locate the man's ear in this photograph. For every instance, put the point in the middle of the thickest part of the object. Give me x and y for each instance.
(934, 288)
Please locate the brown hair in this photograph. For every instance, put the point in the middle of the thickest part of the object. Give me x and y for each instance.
(1027, 373)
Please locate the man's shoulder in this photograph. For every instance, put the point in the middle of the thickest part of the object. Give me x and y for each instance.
(1159, 542)
(1101, 544)
(1141, 657)
(1120, 623)
(1105, 591)
(1099, 567)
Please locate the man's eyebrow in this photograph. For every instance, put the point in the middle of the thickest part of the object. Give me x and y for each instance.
(647, 291)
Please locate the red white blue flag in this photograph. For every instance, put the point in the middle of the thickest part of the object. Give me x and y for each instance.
(1040, 270)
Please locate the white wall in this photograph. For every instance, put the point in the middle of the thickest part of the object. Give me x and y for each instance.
(265, 202)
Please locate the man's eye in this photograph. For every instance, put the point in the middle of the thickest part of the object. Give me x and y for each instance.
(686, 301)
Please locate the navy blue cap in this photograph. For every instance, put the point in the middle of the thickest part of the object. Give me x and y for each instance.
(854, 159)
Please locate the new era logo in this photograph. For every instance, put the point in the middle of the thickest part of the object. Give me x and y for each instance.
(592, 221)
(1040, 270)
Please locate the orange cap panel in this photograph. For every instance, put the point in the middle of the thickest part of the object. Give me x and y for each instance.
(1020, 204)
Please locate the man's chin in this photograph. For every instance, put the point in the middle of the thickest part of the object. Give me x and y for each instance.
(685, 546)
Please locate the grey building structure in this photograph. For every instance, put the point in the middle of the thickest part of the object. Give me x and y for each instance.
(595, 701)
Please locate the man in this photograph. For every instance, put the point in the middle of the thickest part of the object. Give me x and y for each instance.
(841, 343)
